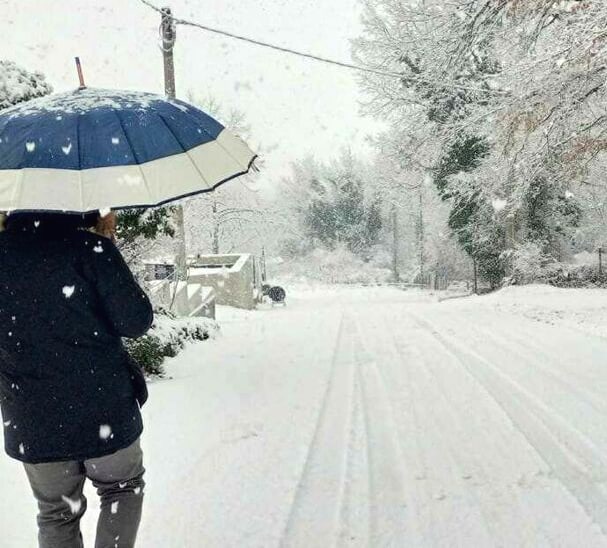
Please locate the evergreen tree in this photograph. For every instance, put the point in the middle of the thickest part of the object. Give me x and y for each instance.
(18, 85)
(339, 212)
(472, 219)
(148, 224)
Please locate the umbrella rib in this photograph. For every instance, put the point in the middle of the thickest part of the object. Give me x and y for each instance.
(186, 152)
(3, 131)
(16, 193)
(145, 181)
(180, 112)
(242, 166)
(238, 162)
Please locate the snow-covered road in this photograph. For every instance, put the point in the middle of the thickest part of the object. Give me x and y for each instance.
(373, 417)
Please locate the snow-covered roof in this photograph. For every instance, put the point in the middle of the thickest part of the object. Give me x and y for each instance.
(233, 262)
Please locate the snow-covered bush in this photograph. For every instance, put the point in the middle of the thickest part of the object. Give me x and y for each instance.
(528, 263)
(573, 276)
(339, 265)
(167, 337)
(18, 85)
(531, 265)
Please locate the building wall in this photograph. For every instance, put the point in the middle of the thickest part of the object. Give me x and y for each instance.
(232, 287)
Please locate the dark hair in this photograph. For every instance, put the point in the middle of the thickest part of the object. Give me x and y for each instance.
(31, 220)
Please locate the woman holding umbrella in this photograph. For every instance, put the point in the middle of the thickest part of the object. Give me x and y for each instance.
(69, 393)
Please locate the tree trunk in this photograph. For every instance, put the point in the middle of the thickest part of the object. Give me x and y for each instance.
(422, 251)
(510, 229)
(395, 244)
(215, 230)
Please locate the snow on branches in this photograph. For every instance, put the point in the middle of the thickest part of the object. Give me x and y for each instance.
(18, 85)
(525, 80)
(528, 76)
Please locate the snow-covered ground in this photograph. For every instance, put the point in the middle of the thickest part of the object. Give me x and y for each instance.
(377, 417)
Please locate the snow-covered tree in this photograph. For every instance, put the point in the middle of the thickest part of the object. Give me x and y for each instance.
(334, 204)
(235, 217)
(140, 231)
(525, 79)
(18, 85)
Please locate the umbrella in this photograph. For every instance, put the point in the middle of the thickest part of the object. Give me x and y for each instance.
(95, 149)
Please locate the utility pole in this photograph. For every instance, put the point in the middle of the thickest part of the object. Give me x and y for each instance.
(216, 221)
(169, 36)
(264, 266)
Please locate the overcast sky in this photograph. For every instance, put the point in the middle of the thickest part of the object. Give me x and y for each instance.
(294, 106)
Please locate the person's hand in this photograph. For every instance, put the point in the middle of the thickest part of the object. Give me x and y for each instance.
(106, 226)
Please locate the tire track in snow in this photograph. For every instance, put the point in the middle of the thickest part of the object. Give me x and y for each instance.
(532, 349)
(586, 401)
(592, 457)
(414, 462)
(389, 511)
(352, 489)
(532, 509)
(480, 437)
(541, 427)
(472, 474)
(355, 506)
(522, 347)
(443, 488)
(316, 509)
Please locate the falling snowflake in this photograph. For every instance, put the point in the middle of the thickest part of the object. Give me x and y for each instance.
(499, 205)
(115, 140)
(114, 507)
(68, 291)
(67, 149)
(98, 248)
(21, 449)
(75, 505)
(105, 431)
(36, 224)
(30, 146)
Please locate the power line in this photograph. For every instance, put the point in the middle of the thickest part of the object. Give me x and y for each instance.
(326, 60)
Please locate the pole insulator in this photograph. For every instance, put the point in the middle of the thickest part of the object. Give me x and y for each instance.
(169, 29)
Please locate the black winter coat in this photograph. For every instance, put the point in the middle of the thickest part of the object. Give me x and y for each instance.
(67, 387)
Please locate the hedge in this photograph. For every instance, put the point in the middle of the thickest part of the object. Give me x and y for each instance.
(167, 337)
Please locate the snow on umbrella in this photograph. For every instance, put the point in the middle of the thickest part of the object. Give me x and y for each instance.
(96, 149)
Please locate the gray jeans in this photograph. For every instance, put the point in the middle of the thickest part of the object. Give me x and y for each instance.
(58, 486)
